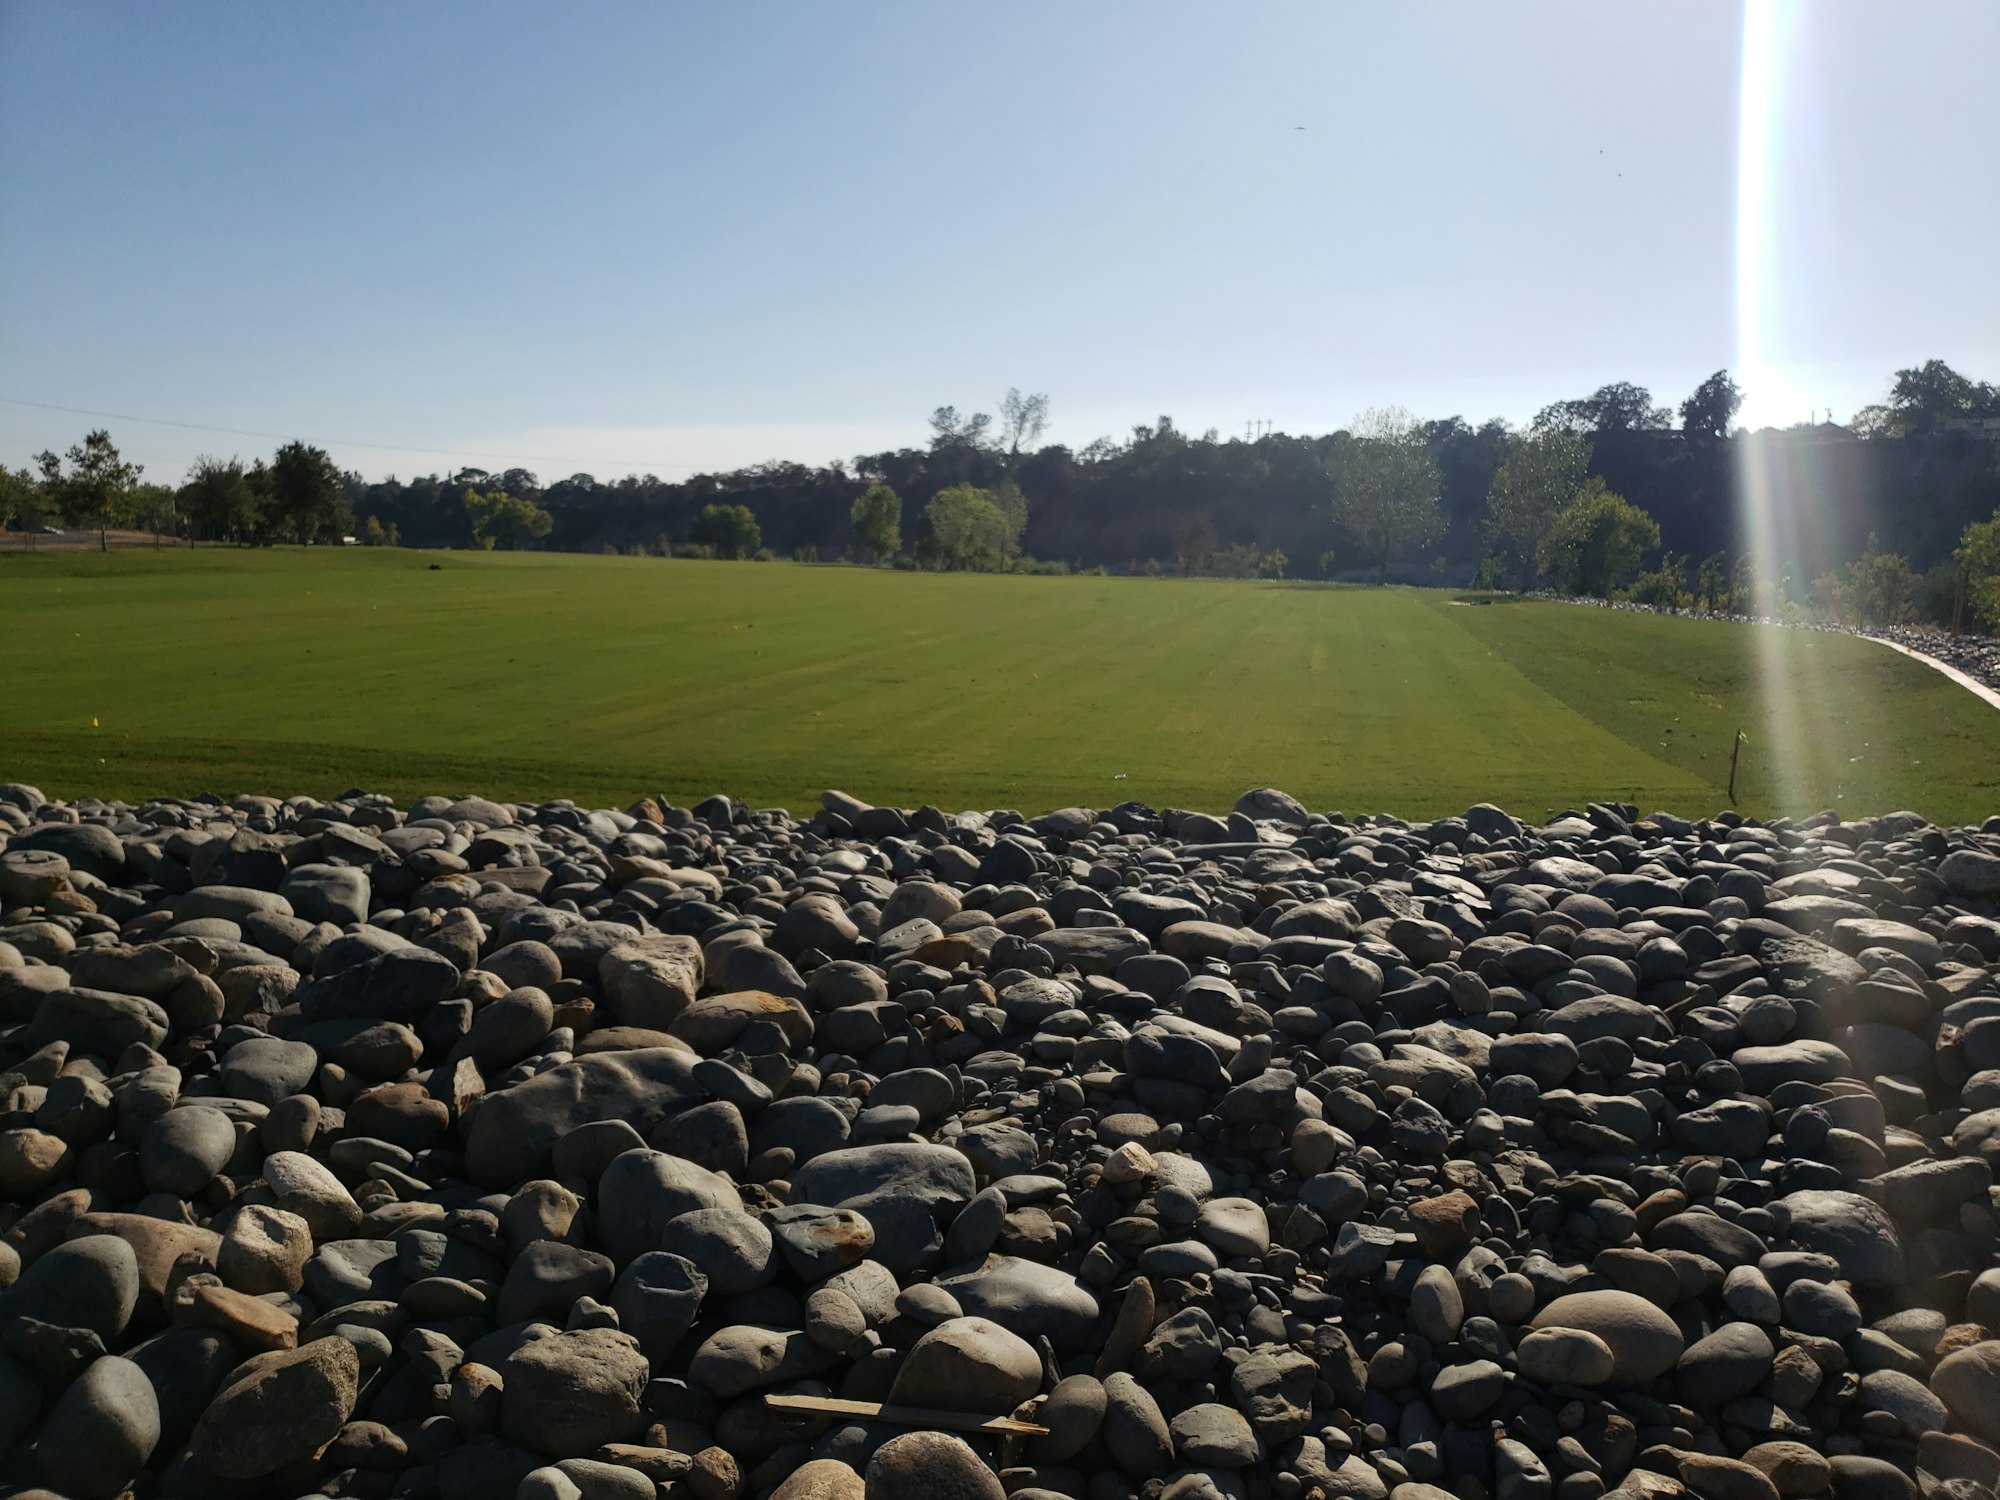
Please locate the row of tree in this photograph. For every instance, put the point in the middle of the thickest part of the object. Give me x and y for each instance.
(300, 497)
(1584, 497)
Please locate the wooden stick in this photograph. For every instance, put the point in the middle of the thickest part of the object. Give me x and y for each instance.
(906, 1416)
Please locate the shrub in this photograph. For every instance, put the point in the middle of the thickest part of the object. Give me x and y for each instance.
(1597, 542)
(727, 531)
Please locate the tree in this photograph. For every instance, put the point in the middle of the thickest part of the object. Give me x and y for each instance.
(1665, 586)
(1237, 560)
(218, 498)
(1193, 545)
(1877, 588)
(1923, 399)
(949, 430)
(505, 521)
(1541, 473)
(1597, 542)
(1618, 407)
(1978, 557)
(1706, 415)
(96, 487)
(877, 519)
(1023, 419)
(968, 529)
(1711, 582)
(23, 501)
(307, 502)
(152, 507)
(1014, 507)
(1272, 564)
(1385, 487)
(727, 530)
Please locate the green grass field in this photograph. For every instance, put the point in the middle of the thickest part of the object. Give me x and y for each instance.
(604, 678)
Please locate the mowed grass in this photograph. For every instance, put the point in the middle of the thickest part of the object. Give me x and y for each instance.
(540, 675)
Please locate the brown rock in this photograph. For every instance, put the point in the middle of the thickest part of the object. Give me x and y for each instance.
(714, 1475)
(264, 1250)
(403, 1114)
(156, 1245)
(821, 1479)
(1715, 1478)
(711, 1025)
(276, 1408)
(1796, 1469)
(1445, 1225)
(204, 1302)
(31, 1160)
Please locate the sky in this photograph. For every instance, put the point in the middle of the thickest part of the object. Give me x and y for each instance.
(667, 238)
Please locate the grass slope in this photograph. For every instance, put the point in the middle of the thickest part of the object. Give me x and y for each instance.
(602, 678)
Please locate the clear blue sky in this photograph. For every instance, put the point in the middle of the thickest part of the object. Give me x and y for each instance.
(679, 236)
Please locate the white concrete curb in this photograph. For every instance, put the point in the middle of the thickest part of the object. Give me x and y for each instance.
(1970, 684)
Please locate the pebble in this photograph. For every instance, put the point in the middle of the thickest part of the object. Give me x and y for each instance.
(1252, 1156)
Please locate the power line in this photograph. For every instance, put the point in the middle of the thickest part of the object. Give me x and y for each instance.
(286, 437)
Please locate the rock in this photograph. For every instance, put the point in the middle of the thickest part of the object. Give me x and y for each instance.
(1794, 1469)
(90, 1283)
(548, 1278)
(735, 1251)
(1968, 1382)
(1716, 1478)
(1445, 1224)
(101, 1431)
(900, 1189)
(1436, 1307)
(265, 1250)
(924, 1466)
(566, 1393)
(1274, 1389)
(1855, 1232)
(184, 1149)
(1644, 1342)
(267, 1069)
(1641, 1154)
(276, 1408)
(1134, 1431)
(743, 1357)
(657, 1298)
(1212, 1436)
(1073, 1412)
(642, 1192)
(826, 1479)
(1565, 1356)
(514, 1132)
(816, 1242)
(327, 893)
(969, 1364)
(1235, 1227)
(1731, 1362)
(308, 1189)
(1032, 1299)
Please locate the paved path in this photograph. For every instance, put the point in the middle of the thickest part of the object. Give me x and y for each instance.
(1970, 684)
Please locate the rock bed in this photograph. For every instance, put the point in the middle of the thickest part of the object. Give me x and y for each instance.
(472, 1151)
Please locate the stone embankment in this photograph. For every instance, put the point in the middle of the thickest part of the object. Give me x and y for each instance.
(469, 1150)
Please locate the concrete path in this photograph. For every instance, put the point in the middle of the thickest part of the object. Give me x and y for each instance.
(1970, 684)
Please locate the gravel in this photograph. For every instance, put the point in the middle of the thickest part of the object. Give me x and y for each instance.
(468, 1149)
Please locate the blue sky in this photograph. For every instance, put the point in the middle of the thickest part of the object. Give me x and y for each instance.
(677, 236)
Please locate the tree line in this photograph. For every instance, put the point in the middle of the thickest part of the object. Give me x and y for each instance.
(1603, 493)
